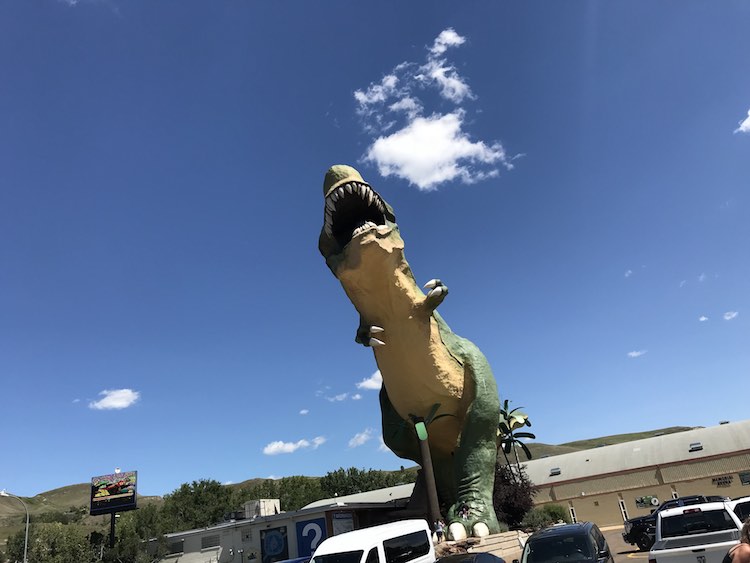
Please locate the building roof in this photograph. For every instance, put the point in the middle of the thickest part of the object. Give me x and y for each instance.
(379, 496)
(690, 445)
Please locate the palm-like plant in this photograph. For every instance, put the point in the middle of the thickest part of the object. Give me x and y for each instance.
(509, 439)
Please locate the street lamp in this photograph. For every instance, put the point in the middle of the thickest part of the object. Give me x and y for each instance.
(4, 493)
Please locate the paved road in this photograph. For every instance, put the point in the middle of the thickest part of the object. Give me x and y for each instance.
(623, 552)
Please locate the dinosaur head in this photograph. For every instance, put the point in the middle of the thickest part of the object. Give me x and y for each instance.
(354, 214)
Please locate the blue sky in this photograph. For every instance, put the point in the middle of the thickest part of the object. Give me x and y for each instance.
(577, 173)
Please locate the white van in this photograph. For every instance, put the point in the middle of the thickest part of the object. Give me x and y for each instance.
(406, 541)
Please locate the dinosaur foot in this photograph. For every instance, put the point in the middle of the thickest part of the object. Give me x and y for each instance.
(473, 518)
(366, 338)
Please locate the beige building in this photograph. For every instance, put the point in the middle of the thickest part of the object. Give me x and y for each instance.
(613, 483)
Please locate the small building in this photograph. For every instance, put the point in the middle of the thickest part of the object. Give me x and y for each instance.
(266, 535)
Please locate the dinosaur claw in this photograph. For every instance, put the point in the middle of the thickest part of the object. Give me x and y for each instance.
(376, 329)
(432, 283)
(480, 530)
(456, 531)
(437, 292)
(374, 342)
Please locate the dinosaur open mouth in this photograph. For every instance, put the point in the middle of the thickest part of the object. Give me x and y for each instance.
(352, 209)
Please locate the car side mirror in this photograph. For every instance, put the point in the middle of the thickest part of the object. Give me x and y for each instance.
(603, 553)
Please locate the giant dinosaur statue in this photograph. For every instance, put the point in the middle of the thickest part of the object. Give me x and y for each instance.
(422, 362)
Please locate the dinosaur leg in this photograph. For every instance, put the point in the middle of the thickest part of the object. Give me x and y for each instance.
(398, 434)
(474, 460)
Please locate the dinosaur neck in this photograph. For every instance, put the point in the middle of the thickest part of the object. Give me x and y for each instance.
(378, 280)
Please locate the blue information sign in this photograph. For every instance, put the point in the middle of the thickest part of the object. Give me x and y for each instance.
(309, 535)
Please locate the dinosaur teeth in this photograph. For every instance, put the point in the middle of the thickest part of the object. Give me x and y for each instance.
(349, 188)
(363, 227)
(340, 191)
(330, 205)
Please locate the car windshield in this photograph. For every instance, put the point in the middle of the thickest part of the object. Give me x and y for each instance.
(556, 549)
(342, 557)
(698, 522)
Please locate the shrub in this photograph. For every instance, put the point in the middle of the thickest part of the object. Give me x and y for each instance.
(543, 516)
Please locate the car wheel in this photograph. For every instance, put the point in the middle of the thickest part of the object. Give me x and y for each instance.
(644, 542)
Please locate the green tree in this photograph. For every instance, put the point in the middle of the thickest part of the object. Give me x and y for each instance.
(297, 491)
(513, 494)
(350, 481)
(509, 439)
(138, 537)
(196, 505)
(52, 543)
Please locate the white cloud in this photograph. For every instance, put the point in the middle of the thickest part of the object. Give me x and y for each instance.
(113, 399)
(338, 398)
(447, 38)
(228, 483)
(636, 353)
(356, 397)
(279, 447)
(361, 438)
(452, 87)
(729, 315)
(702, 277)
(432, 150)
(744, 125)
(76, 400)
(383, 447)
(303, 412)
(426, 150)
(373, 383)
(703, 318)
(683, 283)
(628, 273)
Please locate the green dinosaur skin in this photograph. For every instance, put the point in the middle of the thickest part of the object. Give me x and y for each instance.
(423, 362)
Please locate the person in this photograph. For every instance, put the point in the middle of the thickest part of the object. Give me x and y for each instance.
(464, 512)
(439, 527)
(740, 553)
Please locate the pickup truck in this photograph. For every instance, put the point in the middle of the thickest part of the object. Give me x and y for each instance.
(641, 530)
(699, 533)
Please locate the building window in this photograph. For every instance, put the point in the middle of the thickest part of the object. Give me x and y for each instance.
(554, 471)
(745, 478)
(176, 547)
(695, 447)
(247, 535)
(623, 509)
(572, 514)
(210, 541)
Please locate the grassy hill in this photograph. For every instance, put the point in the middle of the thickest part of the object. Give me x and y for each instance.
(75, 498)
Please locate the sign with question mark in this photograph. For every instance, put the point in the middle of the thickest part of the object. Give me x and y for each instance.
(309, 535)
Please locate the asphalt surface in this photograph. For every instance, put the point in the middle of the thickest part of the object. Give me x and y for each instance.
(621, 551)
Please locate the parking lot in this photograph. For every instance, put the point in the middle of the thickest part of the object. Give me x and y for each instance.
(621, 551)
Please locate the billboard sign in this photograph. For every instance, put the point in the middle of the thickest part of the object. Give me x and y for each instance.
(113, 493)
